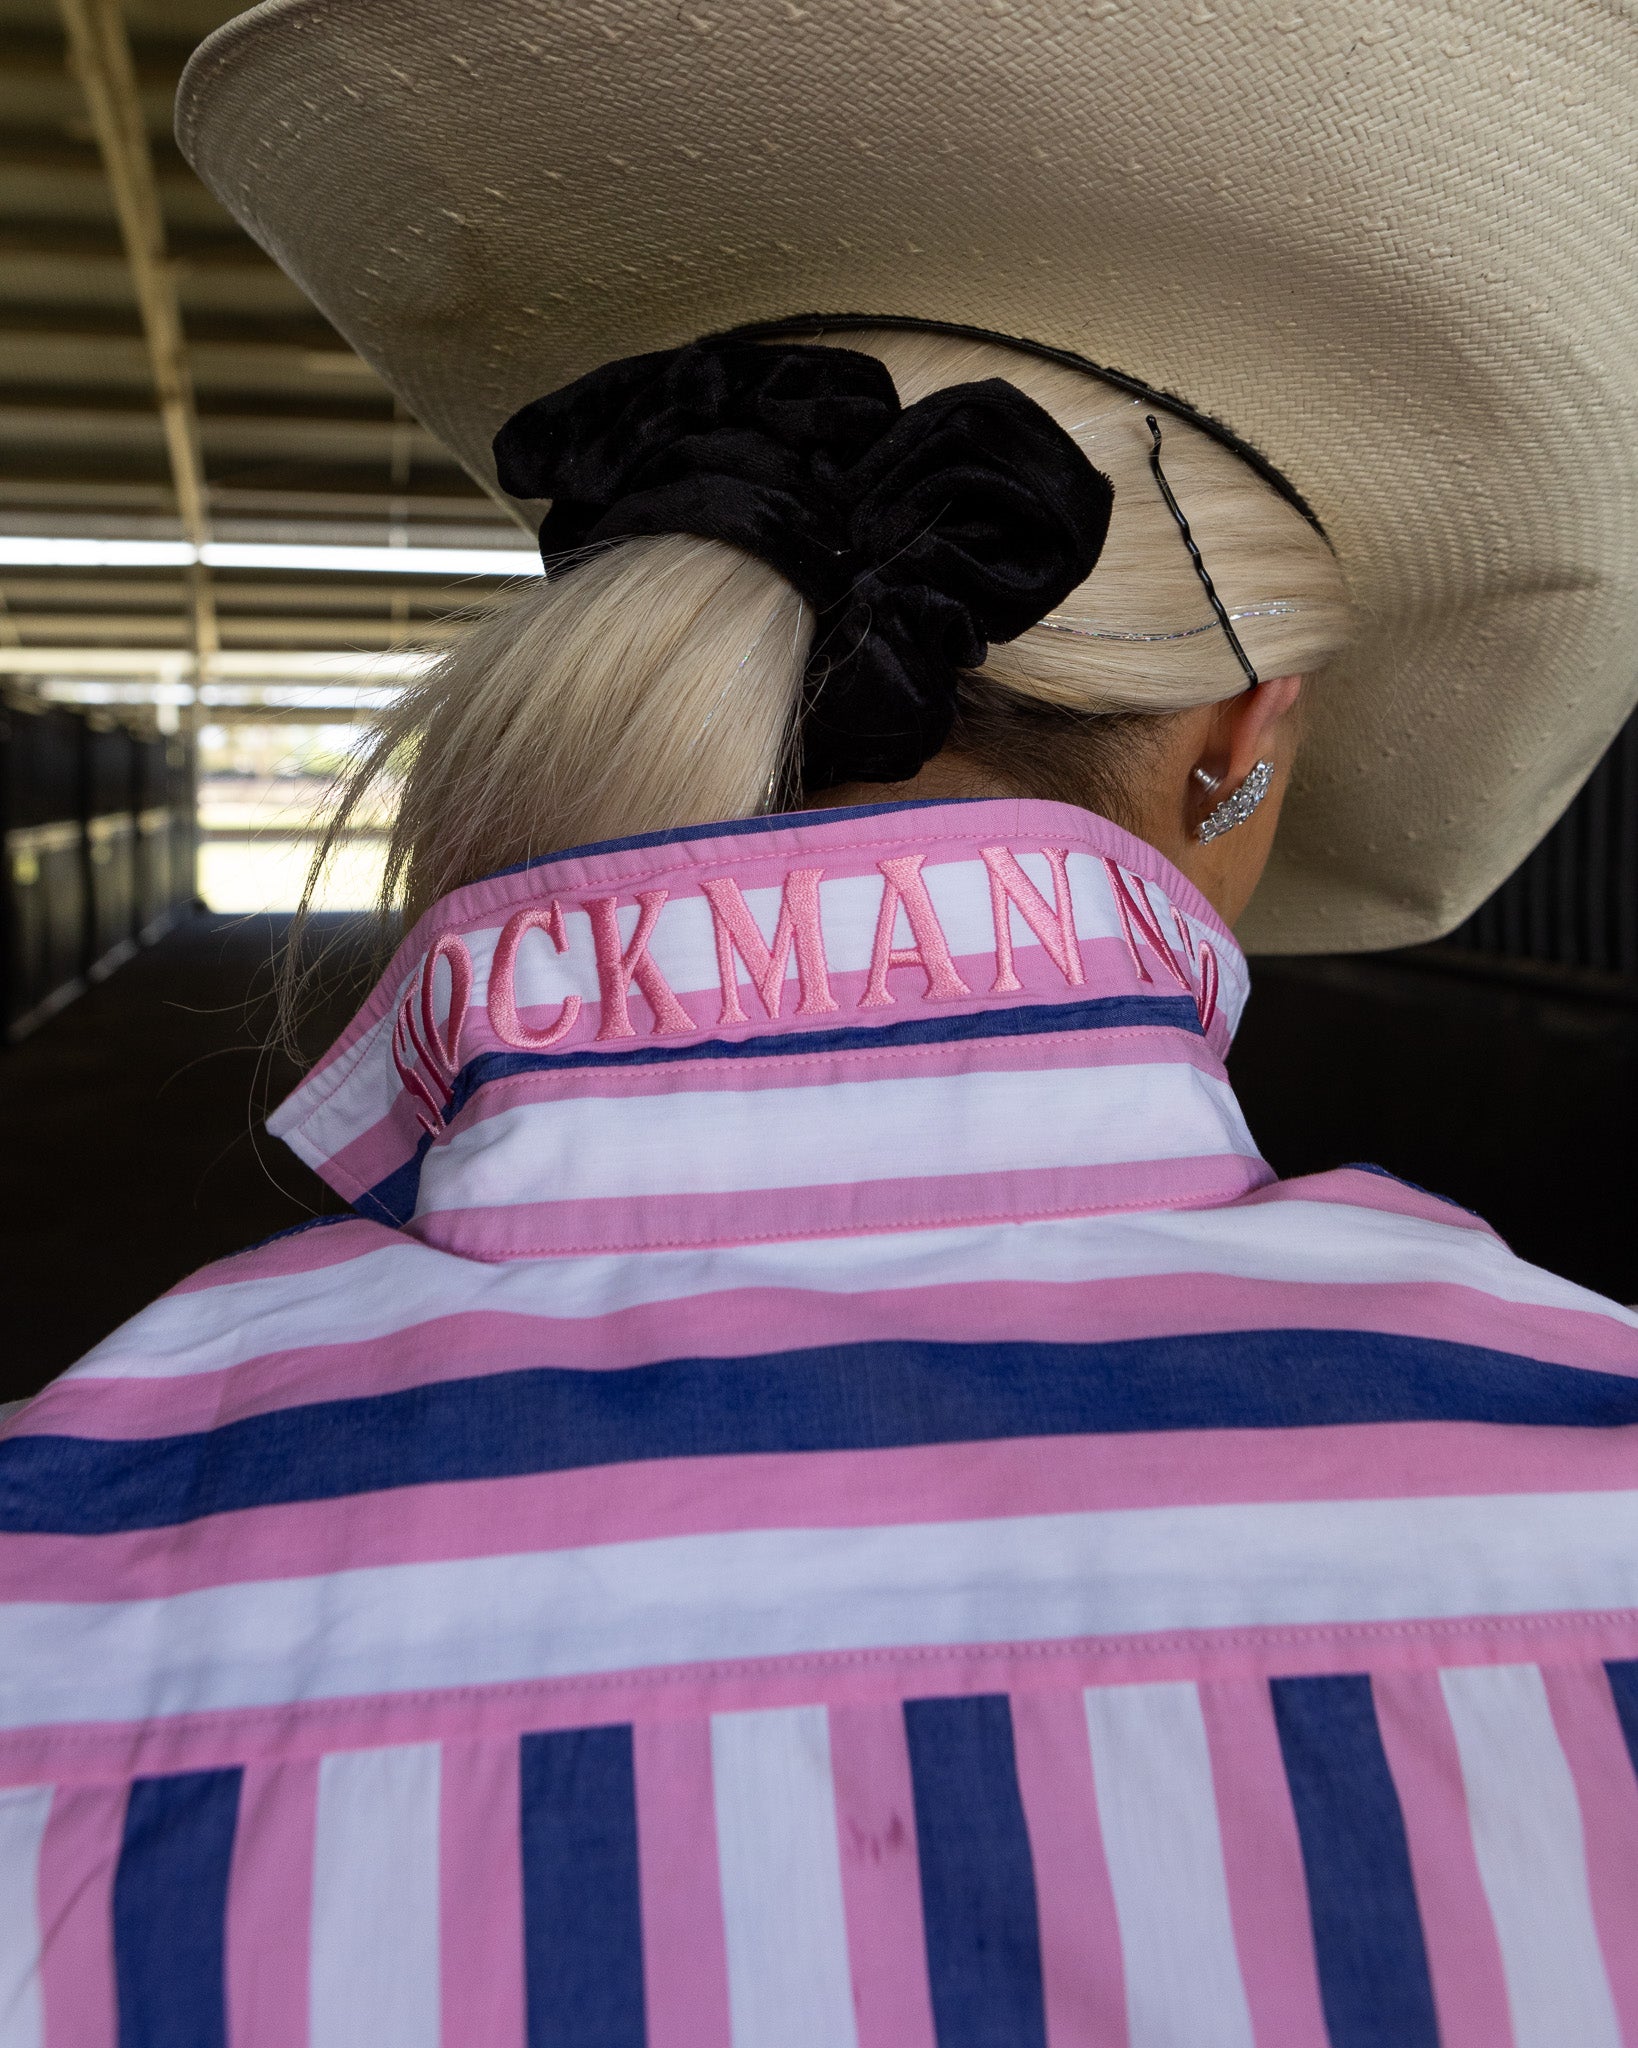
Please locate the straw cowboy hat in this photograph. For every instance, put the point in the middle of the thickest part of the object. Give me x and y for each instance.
(1387, 243)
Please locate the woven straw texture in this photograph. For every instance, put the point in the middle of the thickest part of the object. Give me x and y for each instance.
(1388, 243)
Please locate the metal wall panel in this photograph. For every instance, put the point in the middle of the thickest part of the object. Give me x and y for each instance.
(95, 858)
(45, 921)
(150, 802)
(42, 806)
(110, 837)
(182, 800)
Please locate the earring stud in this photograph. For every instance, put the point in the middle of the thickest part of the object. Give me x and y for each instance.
(1207, 782)
(1238, 806)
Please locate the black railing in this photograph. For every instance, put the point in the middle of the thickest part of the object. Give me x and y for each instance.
(1574, 902)
(99, 852)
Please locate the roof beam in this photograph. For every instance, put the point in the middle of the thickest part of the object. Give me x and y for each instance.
(47, 149)
(303, 426)
(100, 53)
(77, 354)
(330, 603)
(131, 630)
(89, 499)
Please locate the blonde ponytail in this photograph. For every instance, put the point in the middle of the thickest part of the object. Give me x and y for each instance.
(655, 683)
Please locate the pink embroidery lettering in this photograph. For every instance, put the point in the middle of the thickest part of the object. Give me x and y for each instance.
(617, 970)
(931, 952)
(508, 1026)
(427, 1059)
(1138, 920)
(798, 926)
(1206, 1000)
(1204, 959)
(1054, 928)
(428, 1114)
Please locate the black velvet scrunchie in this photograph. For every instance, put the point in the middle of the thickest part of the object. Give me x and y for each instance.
(917, 535)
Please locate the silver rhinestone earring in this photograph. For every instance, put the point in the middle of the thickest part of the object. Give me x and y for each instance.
(1237, 807)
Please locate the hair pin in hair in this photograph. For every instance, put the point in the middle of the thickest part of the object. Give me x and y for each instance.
(1200, 569)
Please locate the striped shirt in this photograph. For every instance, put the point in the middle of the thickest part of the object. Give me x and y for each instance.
(824, 1496)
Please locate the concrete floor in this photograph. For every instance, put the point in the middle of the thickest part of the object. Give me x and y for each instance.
(134, 1152)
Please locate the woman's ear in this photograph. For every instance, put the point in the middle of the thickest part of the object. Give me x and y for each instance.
(1241, 735)
(1257, 725)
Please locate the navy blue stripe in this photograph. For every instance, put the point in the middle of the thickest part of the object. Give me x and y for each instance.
(1623, 1678)
(1030, 1020)
(170, 1910)
(838, 1397)
(977, 1875)
(299, 1230)
(582, 1919)
(735, 828)
(1373, 1964)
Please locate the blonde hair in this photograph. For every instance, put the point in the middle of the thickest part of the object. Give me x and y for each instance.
(655, 683)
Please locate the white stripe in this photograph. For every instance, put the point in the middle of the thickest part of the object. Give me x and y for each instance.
(584, 1149)
(1526, 1823)
(1157, 1811)
(23, 1813)
(364, 1087)
(406, 1283)
(789, 1982)
(775, 1592)
(374, 1969)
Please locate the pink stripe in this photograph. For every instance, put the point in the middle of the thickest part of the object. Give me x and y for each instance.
(881, 1876)
(78, 1856)
(846, 1209)
(1464, 1959)
(848, 846)
(814, 1489)
(1590, 1734)
(745, 1321)
(481, 1976)
(270, 1906)
(309, 1251)
(1349, 1188)
(1106, 965)
(685, 1952)
(1082, 1973)
(1262, 1857)
(355, 1168)
(209, 1741)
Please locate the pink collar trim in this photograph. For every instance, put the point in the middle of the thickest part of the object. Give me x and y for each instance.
(912, 934)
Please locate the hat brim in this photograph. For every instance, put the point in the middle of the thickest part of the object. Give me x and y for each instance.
(1390, 252)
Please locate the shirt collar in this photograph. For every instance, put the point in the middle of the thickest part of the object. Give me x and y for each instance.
(831, 1021)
